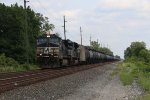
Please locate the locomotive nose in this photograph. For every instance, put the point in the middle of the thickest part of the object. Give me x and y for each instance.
(46, 50)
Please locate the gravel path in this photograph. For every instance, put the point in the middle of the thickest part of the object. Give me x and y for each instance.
(93, 84)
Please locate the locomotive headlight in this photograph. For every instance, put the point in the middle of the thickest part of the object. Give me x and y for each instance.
(40, 54)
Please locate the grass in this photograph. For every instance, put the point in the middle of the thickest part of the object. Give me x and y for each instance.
(144, 82)
(116, 70)
(125, 71)
(145, 97)
(10, 65)
(126, 78)
(130, 70)
(24, 67)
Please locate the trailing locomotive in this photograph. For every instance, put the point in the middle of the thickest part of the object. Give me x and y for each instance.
(53, 52)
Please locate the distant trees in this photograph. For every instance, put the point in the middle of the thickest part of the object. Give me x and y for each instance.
(95, 45)
(44, 24)
(137, 50)
(12, 31)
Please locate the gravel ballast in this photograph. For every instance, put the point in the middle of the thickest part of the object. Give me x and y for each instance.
(92, 84)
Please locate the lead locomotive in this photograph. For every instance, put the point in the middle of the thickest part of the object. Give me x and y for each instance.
(53, 52)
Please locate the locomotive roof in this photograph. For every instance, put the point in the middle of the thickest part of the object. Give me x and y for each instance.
(51, 35)
(70, 43)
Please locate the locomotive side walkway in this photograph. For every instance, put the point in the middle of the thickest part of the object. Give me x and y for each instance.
(92, 84)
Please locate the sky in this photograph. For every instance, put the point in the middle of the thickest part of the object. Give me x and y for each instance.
(115, 23)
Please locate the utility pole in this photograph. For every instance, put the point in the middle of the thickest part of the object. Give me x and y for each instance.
(64, 28)
(25, 2)
(81, 35)
(90, 40)
(26, 33)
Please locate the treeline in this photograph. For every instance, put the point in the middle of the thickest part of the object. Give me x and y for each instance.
(95, 45)
(138, 51)
(16, 40)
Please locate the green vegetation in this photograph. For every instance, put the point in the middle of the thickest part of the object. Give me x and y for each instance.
(136, 66)
(18, 43)
(146, 97)
(10, 65)
(13, 37)
(95, 45)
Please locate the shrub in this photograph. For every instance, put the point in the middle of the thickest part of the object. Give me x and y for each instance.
(126, 78)
(6, 61)
(10, 65)
(144, 80)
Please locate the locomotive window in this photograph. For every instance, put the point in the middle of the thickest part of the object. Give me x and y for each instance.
(41, 41)
(54, 40)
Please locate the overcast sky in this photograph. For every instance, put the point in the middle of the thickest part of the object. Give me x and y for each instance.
(115, 23)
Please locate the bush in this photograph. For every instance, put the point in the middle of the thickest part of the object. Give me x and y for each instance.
(144, 80)
(126, 78)
(5, 61)
(10, 65)
(127, 73)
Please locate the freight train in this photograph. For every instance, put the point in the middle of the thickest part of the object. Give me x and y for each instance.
(52, 52)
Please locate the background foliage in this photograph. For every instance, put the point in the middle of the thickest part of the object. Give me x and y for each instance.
(138, 51)
(13, 34)
(95, 45)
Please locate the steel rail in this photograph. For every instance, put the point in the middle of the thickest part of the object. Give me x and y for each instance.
(12, 81)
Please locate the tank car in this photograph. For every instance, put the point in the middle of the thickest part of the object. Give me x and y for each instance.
(90, 56)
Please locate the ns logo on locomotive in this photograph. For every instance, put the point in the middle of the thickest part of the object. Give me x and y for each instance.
(52, 52)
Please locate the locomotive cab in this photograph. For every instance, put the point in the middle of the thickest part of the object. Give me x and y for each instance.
(48, 50)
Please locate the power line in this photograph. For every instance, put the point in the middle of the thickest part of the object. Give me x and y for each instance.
(33, 7)
(42, 6)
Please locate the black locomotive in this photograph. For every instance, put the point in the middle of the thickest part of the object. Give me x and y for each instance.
(52, 51)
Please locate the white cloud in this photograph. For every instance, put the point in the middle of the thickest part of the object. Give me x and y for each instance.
(138, 5)
(71, 13)
(122, 4)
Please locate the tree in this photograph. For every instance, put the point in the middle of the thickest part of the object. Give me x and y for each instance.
(12, 32)
(134, 49)
(45, 26)
(96, 46)
(138, 51)
(106, 51)
(144, 55)
(127, 53)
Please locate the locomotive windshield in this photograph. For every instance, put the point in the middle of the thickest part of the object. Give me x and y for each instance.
(54, 40)
(48, 41)
(41, 41)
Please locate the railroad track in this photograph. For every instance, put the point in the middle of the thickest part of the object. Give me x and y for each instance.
(9, 81)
